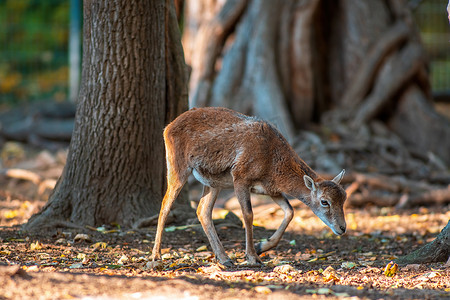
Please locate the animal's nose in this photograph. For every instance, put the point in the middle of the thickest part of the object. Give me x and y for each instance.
(342, 228)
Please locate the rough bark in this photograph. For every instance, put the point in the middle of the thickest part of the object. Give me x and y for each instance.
(133, 84)
(436, 251)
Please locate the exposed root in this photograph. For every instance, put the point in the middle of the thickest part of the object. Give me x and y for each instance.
(436, 251)
(367, 73)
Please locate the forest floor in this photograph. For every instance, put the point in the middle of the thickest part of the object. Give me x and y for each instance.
(110, 262)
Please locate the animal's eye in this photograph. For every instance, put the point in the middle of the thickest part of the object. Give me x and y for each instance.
(324, 203)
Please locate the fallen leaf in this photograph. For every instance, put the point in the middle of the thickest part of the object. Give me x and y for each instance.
(390, 269)
(263, 289)
(101, 229)
(412, 267)
(15, 240)
(166, 256)
(302, 256)
(275, 287)
(284, 269)
(348, 265)
(202, 248)
(324, 291)
(81, 256)
(76, 266)
(82, 237)
(427, 276)
(329, 274)
(61, 241)
(343, 295)
(170, 228)
(99, 245)
(35, 246)
(123, 259)
(184, 227)
(32, 269)
(11, 214)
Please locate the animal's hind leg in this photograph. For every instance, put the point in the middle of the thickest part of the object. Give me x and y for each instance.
(171, 194)
(276, 237)
(176, 178)
(204, 213)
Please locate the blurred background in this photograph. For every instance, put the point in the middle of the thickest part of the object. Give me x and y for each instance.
(35, 50)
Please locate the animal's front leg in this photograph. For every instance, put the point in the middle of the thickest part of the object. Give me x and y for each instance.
(276, 237)
(243, 195)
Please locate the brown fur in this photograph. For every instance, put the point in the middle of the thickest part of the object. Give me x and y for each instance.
(226, 149)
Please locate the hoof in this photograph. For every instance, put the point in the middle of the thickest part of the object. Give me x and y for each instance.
(254, 262)
(227, 264)
(154, 265)
(258, 248)
(251, 264)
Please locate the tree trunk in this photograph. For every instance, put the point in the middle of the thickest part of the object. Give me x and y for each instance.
(290, 62)
(133, 84)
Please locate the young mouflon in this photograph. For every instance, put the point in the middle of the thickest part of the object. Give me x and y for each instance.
(226, 149)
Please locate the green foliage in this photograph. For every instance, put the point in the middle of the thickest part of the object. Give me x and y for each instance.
(34, 52)
(432, 20)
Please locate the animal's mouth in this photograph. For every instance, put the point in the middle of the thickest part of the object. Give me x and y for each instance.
(339, 231)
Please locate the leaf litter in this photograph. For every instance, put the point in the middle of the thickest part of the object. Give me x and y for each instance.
(355, 265)
(309, 261)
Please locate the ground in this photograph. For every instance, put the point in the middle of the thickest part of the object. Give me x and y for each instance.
(110, 262)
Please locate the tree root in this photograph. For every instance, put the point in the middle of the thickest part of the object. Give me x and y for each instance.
(43, 184)
(395, 74)
(209, 42)
(366, 75)
(436, 251)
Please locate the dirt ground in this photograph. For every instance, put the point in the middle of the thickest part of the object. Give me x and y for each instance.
(110, 262)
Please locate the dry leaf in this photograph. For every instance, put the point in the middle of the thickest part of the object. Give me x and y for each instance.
(76, 266)
(32, 269)
(99, 245)
(390, 269)
(123, 259)
(202, 248)
(263, 289)
(35, 246)
(284, 269)
(329, 274)
(348, 265)
(82, 237)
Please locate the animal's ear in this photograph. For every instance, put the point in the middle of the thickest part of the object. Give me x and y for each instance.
(339, 177)
(309, 182)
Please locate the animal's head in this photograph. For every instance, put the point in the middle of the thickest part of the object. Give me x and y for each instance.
(327, 201)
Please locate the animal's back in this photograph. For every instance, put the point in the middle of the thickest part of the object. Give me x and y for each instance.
(207, 120)
(220, 127)
(214, 140)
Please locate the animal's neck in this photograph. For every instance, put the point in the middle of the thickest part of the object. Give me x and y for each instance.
(296, 185)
